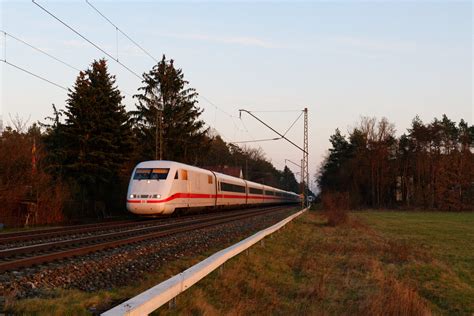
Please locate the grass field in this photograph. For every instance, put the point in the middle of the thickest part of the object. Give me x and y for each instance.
(444, 272)
(378, 263)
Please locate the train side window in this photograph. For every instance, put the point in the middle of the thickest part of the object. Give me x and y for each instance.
(176, 175)
(209, 179)
(184, 174)
(229, 187)
(255, 191)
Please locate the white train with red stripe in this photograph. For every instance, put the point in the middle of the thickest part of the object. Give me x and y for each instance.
(162, 187)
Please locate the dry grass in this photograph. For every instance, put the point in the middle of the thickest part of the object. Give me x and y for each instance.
(394, 297)
(335, 205)
(310, 269)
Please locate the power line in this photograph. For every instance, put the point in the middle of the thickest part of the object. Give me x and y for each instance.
(232, 117)
(256, 140)
(211, 103)
(116, 59)
(89, 41)
(155, 59)
(41, 51)
(274, 111)
(245, 126)
(278, 133)
(293, 123)
(35, 75)
(5, 46)
(226, 113)
(123, 33)
(45, 53)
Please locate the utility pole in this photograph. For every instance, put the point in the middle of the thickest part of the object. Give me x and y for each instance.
(158, 130)
(305, 156)
(304, 162)
(160, 111)
(302, 184)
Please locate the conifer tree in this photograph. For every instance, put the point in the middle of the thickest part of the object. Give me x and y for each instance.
(288, 181)
(183, 134)
(94, 141)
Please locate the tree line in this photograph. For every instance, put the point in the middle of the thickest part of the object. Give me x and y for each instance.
(431, 166)
(77, 164)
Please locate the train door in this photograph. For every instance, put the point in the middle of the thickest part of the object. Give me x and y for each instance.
(184, 176)
(246, 193)
(215, 190)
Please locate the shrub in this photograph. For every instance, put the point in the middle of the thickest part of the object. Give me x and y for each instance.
(335, 205)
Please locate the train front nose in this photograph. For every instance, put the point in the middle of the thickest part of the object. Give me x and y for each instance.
(144, 206)
(147, 191)
(146, 197)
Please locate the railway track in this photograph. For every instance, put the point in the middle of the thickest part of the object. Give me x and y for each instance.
(30, 255)
(63, 231)
(10, 240)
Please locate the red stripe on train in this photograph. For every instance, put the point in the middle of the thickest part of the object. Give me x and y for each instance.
(205, 196)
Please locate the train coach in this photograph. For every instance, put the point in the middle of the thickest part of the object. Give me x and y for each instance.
(161, 187)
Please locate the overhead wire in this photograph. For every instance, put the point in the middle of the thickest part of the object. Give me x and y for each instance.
(274, 111)
(43, 52)
(87, 40)
(121, 31)
(232, 117)
(293, 123)
(4, 60)
(4, 46)
(40, 50)
(256, 140)
(34, 75)
(217, 108)
(245, 127)
(270, 139)
(134, 42)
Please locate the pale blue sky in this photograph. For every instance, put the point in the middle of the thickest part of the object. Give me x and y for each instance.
(341, 59)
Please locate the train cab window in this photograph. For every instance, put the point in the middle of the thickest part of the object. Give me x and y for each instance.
(176, 175)
(151, 174)
(184, 174)
(209, 179)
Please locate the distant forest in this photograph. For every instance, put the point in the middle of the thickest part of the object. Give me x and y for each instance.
(78, 163)
(431, 166)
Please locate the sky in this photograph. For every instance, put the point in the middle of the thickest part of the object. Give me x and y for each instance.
(340, 59)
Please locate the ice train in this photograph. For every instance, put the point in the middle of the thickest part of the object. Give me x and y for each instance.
(161, 187)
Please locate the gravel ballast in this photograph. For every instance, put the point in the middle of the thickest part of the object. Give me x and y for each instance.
(115, 267)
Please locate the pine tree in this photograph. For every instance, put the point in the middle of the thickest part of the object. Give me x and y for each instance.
(94, 141)
(289, 182)
(183, 134)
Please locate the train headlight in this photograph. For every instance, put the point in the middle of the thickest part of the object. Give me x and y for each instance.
(132, 196)
(156, 196)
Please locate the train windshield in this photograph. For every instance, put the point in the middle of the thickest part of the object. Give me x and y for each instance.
(151, 174)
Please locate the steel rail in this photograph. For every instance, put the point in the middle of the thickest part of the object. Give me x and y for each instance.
(74, 230)
(40, 231)
(82, 229)
(101, 245)
(30, 249)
